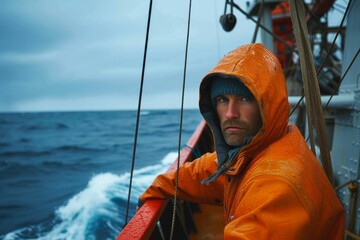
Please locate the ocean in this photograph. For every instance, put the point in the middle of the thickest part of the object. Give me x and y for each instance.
(65, 175)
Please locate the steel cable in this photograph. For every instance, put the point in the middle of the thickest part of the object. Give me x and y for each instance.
(327, 55)
(181, 122)
(138, 113)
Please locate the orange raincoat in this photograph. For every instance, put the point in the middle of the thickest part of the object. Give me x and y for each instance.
(275, 188)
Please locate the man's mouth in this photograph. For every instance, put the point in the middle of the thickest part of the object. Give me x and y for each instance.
(234, 129)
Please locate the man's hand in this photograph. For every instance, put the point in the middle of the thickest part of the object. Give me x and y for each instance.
(139, 204)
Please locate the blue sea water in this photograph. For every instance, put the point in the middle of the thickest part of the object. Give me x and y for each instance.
(65, 175)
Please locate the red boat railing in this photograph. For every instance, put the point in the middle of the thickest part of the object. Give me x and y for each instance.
(158, 212)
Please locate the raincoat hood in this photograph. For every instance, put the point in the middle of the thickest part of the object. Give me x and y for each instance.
(260, 71)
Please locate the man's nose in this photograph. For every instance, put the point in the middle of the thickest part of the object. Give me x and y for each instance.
(232, 111)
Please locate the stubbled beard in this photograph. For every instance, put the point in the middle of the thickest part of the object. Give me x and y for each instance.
(234, 140)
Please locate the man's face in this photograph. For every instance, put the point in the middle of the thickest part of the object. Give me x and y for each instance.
(239, 118)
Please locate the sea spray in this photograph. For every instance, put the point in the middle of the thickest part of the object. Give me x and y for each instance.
(52, 163)
(97, 207)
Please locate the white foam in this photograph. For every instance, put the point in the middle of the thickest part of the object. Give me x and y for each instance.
(80, 210)
(75, 216)
(144, 113)
(169, 158)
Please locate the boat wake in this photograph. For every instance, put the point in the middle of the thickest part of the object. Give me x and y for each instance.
(98, 211)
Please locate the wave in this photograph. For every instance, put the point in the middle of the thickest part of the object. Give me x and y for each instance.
(61, 126)
(144, 113)
(9, 169)
(25, 153)
(39, 153)
(4, 144)
(98, 211)
(75, 148)
(78, 164)
(42, 126)
(171, 125)
(24, 140)
(154, 112)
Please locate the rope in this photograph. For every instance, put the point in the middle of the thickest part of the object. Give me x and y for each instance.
(327, 56)
(196, 152)
(352, 235)
(342, 78)
(346, 183)
(258, 21)
(337, 87)
(181, 122)
(311, 86)
(217, 32)
(336, 35)
(138, 114)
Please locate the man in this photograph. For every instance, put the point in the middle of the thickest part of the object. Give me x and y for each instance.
(264, 175)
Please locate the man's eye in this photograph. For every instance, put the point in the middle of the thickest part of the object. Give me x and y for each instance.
(245, 99)
(221, 99)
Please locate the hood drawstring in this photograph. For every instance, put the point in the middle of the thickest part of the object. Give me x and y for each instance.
(223, 168)
(213, 177)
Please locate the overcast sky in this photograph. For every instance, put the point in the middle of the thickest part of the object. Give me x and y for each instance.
(87, 54)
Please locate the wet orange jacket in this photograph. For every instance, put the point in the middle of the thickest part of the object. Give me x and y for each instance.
(275, 188)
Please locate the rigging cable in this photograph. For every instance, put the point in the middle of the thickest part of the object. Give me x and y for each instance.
(311, 87)
(258, 21)
(327, 55)
(335, 38)
(338, 6)
(138, 113)
(217, 32)
(337, 87)
(342, 78)
(181, 121)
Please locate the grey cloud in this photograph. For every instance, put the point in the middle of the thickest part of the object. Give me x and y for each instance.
(89, 51)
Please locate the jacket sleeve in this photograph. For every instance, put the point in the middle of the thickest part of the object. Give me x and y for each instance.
(189, 183)
(270, 208)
